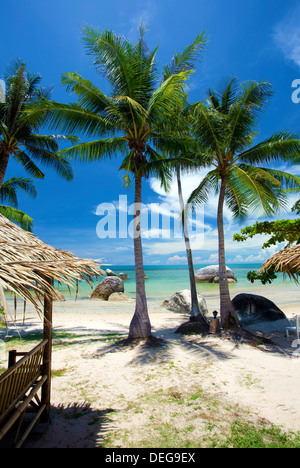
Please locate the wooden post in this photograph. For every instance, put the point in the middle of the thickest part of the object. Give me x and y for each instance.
(12, 354)
(46, 389)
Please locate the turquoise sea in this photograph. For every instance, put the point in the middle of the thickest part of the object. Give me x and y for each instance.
(163, 281)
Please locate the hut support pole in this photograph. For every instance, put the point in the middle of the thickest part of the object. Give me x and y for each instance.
(46, 389)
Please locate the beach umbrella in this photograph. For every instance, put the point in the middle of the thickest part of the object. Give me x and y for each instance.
(28, 268)
(286, 261)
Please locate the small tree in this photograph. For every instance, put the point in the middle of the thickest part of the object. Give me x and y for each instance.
(281, 230)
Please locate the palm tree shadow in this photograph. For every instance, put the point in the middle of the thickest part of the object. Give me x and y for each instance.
(76, 425)
(159, 348)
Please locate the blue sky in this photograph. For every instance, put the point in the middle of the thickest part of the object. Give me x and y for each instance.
(258, 39)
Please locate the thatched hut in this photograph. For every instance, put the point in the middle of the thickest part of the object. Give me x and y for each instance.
(28, 268)
(287, 261)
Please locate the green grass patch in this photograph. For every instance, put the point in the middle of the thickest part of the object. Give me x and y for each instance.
(245, 435)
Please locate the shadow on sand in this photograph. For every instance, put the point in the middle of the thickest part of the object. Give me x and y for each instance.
(72, 426)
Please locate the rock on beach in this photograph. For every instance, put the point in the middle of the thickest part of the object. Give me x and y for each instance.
(110, 272)
(181, 302)
(210, 274)
(123, 276)
(108, 286)
(259, 313)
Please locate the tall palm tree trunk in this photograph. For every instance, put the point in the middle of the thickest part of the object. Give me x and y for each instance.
(3, 166)
(140, 326)
(196, 314)
(228, 318)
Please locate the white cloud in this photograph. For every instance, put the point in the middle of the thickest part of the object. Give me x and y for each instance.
(287, 35)
(146, 14)
(213, 259)
(176, 260)
(189, 182)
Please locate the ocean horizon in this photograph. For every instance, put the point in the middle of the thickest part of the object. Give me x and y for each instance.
(164, 280)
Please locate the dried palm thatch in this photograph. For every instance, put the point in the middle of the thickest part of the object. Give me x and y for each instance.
(287, 261)
(28, 266)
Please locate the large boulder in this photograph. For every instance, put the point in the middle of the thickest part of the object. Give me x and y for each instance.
(181, 302)
(210, 274)
(259, 313)
(108, 286)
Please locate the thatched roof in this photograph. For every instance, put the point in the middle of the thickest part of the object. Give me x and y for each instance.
(27, 264)
(286, 261)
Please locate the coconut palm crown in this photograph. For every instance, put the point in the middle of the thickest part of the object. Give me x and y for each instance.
(19, 136)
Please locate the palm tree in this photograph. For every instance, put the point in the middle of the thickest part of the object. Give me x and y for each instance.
(18, 130)
(178, 160)
(224, 126)
(196, 314)
(8, 194)
(128, 121)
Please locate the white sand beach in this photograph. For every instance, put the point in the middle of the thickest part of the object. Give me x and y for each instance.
(103, 391)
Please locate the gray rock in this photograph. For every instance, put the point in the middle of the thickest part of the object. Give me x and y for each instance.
(123, 276)
(259, 313)
(119, 296)
(210, 274)
(110, 272)
(181, 302)
(108, 286)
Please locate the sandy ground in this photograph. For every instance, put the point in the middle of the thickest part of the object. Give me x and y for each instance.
(100, 389)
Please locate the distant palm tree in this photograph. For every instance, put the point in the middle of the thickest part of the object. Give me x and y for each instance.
(8, 194)
(129, 121)
(18, 130)
(224, 126)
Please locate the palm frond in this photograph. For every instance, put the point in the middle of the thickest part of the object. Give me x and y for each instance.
(235, 198)
(245, 108)
(94, 150)
(17, 216)
(9, 188)
(168, 96)
(157, 167)
(187, 58)
(261, 191)
(72, 119)
(89, 96)
(28, 164)
(115, 57)
(208, 127)
(281, 145)
(200, 195)
(55, 161)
